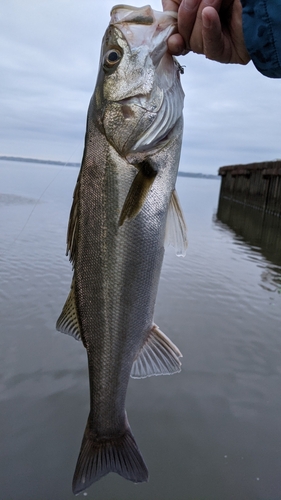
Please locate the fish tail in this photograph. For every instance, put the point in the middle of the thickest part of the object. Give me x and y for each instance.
(99, 456)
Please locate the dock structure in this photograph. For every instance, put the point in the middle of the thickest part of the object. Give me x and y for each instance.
(255, 184)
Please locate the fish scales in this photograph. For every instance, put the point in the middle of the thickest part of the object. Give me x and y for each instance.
(123, 202)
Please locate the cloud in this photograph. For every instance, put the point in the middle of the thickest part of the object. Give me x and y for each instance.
(232, 114)
(49, 62)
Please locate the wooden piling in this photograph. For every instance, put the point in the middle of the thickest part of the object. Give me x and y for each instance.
(256, 184)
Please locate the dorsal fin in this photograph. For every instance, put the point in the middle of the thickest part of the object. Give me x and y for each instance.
(158, 356)
(175, 227)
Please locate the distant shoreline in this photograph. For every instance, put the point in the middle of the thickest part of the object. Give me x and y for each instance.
(74, 164)
(36, 160)
(198, 176)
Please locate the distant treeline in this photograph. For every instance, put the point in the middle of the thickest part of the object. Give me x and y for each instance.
(73, 164)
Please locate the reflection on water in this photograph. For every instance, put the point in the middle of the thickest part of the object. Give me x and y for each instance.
(211, 432)
(261, 231)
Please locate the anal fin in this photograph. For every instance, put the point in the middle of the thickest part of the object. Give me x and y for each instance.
(68, 320)
(158, 356)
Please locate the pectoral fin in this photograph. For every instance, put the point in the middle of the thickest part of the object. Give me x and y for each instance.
(138, 191)
(176, 228)
(68, 321)
(158, 356)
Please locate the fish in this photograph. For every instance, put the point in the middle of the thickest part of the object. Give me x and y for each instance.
(125, 211)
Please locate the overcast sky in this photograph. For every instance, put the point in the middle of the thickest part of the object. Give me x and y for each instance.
(48, 66)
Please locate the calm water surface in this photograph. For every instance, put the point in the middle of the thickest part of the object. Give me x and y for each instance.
(212, 432)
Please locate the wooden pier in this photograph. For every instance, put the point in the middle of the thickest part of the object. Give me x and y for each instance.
(255, 184)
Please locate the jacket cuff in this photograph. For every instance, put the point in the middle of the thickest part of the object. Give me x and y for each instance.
(262, 34)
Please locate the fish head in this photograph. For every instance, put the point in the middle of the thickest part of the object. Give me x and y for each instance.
(138, 97)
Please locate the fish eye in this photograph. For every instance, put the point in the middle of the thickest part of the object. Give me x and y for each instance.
(111, 58)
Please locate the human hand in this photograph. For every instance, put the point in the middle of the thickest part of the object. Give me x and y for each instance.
(210, 27)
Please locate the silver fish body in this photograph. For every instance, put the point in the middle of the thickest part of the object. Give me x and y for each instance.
(124, 208)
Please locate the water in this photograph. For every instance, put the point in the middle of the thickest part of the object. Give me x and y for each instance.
(212, 432)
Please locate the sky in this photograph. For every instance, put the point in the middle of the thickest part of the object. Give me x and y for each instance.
(48, 66)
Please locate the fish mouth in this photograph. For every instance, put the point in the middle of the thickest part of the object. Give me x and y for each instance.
(159, 26)
(138, 15)
(129, 14)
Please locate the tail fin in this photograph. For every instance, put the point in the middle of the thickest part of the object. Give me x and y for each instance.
(98, 457)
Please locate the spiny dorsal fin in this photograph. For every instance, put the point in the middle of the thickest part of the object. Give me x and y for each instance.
(68, 321)
(175, 227)
(138, 191)
(158, 356)
(72, 225)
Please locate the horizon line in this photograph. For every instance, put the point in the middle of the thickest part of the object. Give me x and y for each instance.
(27, 159)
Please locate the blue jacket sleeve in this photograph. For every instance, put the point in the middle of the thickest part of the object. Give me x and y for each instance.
(262, 34)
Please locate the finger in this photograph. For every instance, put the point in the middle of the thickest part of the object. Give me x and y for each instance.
(187, 14)
(176, 44)
(172, 5)
(214, 41)
(223, 36)
(196, 39)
